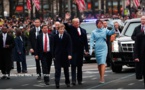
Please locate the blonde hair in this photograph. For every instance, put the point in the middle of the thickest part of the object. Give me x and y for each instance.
(75, 19)
(61, 26)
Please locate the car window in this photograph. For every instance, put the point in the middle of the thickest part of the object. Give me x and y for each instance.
(89, 27)
(131, 28)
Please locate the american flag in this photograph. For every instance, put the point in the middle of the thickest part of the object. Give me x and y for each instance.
(81, 5)
(28, 4)
(37, 4)
(136, 3)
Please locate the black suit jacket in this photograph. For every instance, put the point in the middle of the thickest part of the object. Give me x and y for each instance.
(79, 43)
(39, 45)
(5, 53)
(62, 48)
(139, 49)
(54, 32)
(33, 39)
(9, 41)
(136, 31)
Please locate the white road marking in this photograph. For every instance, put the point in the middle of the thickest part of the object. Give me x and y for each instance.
(94, 78)
(25, 85)
(140, 80)
(131, 84)
(120, 89)
(111, 81)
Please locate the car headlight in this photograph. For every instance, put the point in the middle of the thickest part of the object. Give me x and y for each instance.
(115, 46)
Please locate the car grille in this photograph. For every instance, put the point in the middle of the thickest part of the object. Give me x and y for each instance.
(127, 47)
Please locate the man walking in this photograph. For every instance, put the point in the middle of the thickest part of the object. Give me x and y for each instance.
(137, 31)
(33, 38)
(6, 45)
(79, 43)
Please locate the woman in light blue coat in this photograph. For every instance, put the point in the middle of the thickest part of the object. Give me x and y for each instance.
(99, 37)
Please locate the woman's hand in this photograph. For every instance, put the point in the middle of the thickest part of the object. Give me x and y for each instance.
(136, 60)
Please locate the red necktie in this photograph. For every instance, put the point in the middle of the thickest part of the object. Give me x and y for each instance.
(45, 43)
(78, 32)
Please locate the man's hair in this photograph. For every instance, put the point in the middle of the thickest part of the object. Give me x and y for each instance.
(38, 20)
(61, 25)
(44, 25)
(116, 22)
(75, 20)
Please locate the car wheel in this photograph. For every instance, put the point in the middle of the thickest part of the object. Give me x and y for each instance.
(116, 68)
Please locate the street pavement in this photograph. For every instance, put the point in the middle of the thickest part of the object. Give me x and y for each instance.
(124, 80)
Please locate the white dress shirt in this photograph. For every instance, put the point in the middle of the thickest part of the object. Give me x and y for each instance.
(37, 31)
(48, 45)
(4, 39)
(61, 36)
(79, 31)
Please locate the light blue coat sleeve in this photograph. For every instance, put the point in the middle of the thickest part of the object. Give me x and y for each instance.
(110, 32)
(92, 38)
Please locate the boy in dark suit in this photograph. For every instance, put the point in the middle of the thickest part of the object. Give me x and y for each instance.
(62, 54)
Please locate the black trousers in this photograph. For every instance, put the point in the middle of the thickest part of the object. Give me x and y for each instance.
(79, 73)
(58, 74)
(46, 60)
(23, 68)
(38, 67)
(76, 66)
(139, 70)
(6, 61)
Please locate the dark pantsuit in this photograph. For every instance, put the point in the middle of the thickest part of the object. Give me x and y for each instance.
(23, 68)
(46, 65)
(38, 67)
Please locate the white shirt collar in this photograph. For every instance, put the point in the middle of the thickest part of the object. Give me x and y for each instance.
(4, 34)
(37, 28)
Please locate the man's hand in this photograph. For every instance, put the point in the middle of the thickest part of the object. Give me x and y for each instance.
(86, 53)
(36, 57)
(69, 57)
(19, 52)
(7, 46)
(136, 60)
(31, 50)
(67, 16)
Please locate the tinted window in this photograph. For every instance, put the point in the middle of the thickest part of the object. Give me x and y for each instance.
(89, 27)
(131, 28)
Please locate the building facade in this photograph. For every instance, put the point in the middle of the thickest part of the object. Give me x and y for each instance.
(59, 7)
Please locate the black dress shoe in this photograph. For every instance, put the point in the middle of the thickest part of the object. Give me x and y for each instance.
(4, 77)
(57, 86)
(73, 83)
(8, 77)
(47, 83)
(24, 71)
(68, 85)
(139, 78)
(80, 83)
(39, 77)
